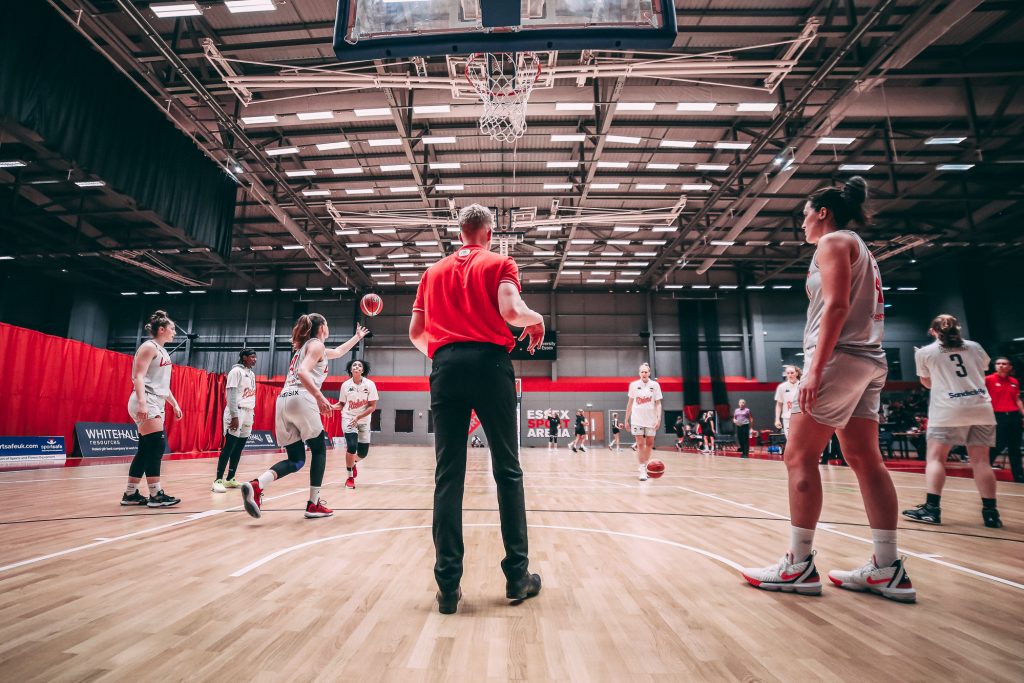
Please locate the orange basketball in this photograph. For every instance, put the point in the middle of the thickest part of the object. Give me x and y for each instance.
(655, 468)
(371, 305)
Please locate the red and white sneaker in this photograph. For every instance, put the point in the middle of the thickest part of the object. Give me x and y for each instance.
(252, 498)
(788, 577)
(350, 483)
(318, 509)
(890, 582)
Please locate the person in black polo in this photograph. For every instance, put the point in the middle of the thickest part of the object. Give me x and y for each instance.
(459, 320)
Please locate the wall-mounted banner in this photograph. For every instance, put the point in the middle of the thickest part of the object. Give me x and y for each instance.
(263, 440)
(537, 423)
(103, 439)
(18, 451)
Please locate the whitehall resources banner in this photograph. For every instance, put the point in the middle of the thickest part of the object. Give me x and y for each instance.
(103, 439)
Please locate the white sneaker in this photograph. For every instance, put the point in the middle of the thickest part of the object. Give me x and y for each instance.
(788, 577)
(218, 486)
(890, 582)
(643, 473)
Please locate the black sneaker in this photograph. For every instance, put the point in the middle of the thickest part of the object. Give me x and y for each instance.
(162, 500)
(991, 517)
(925, 513)
(448, 603)
(135, 499)
(528, 587)
(573, 447)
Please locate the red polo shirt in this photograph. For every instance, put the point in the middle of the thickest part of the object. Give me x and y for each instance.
(1004, 393)
(458, 296)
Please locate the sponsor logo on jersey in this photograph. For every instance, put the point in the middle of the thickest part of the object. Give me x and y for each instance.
(164, 362)
(967, 394)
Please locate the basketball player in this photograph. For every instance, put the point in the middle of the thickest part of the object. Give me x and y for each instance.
(297, 414)
(959, 413)
(680, 429)
(553, 421)
(581, 432)
(839, 393)
(643, 415)
(239, 414)
(707, 431)
(616, 433)
(785, 396)
(360, 397)
(151, 375)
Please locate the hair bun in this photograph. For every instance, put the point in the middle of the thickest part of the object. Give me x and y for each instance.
(855, 190)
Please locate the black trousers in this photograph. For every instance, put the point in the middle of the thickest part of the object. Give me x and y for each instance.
(1008, 433)
(467, 377)
(743, 438)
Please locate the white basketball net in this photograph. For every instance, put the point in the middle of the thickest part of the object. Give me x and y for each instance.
(504, 81)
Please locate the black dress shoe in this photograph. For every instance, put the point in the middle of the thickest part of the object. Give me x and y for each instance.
(525, 588)
(448, 603)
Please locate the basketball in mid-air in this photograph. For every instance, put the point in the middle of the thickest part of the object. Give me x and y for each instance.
(655, 468)
(371, 305)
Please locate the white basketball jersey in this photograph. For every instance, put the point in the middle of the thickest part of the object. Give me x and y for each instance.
(958, 395)
(864, 328)
(319, 371)
(786, 394)
(158, 376)
(644, 394)
(356, 398)
(245, 380)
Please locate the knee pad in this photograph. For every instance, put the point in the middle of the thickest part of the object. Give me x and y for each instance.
(296, 455)
(352, 442)
(362, 450)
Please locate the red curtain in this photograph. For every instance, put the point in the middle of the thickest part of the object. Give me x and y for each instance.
(48, 383)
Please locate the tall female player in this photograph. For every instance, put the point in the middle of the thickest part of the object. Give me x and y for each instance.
(845, 371)
(643, 416)
(298, 409)
(959, 413)
(151, 375)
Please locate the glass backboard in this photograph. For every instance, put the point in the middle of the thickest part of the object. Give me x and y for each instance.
(370, 29)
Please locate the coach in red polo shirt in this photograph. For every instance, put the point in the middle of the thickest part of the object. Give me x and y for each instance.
(1005, 392)
(459, 320)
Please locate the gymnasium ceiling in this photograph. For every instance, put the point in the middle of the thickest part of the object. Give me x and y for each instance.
(924, 97)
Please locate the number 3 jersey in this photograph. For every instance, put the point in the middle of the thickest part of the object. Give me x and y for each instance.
(958, 395)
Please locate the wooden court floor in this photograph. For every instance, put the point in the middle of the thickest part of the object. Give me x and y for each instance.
(639, 579)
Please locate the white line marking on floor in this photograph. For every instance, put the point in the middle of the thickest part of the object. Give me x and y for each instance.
(924, 556)
(185, 520)
(290, 549)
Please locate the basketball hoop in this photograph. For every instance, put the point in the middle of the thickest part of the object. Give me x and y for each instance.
(503, 81)
(506, 240)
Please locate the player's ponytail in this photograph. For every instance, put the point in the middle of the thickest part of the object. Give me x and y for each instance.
(306, 327)
(846, 204)
(157, 321)
(947, 330)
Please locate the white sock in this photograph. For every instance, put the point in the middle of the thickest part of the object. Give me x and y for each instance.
(800, 542)
(266, 478)
(314, 494)
(154, 488)
(885, 546)
(131, 489)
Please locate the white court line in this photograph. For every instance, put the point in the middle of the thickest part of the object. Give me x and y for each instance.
(191, 518)
(828, 528)
(290, 549)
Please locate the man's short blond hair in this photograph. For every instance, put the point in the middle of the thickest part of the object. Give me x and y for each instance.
(475, 216)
